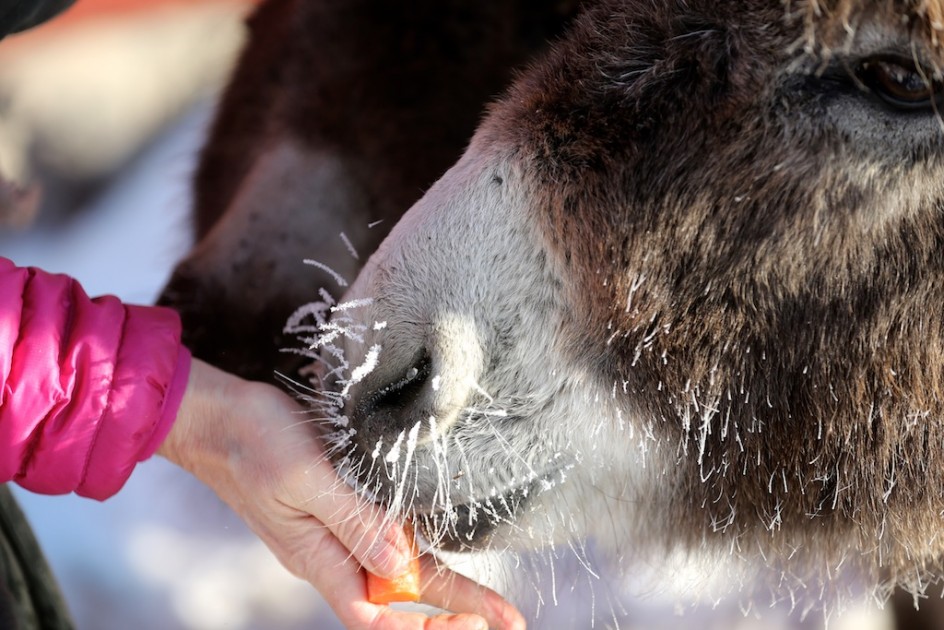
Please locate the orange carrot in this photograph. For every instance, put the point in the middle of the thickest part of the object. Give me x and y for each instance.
(402, 588)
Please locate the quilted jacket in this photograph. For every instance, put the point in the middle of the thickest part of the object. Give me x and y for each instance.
(88, 387)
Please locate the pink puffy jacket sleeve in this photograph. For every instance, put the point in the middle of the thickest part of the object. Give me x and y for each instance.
(88, 388)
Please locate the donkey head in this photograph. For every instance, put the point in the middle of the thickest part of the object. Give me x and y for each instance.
(685, 286)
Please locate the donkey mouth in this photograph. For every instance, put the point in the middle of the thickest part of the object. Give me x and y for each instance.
(472, 526)
(475, 524)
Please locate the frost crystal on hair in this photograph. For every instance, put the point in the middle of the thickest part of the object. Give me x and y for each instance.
(334, 274)
(349, 246)
(365, 368)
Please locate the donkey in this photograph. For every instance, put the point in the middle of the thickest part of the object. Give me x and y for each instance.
(680, 289)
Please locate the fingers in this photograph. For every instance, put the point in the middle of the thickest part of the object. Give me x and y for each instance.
(375, 541)
(389, 619)
(256, 455)
(358, 533)
(342, 582)
(451, 591)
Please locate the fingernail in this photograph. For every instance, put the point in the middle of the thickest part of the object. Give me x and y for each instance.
(389, 554)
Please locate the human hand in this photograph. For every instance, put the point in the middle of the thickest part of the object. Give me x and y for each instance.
(254, 447)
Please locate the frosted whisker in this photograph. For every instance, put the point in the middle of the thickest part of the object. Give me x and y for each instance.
(349, 246)
(331, 272)
(316, 311)
(361, 371)
(351, 304)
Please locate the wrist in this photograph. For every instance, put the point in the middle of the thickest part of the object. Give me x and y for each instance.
(226, 425)
(173, 400)
(195, 434)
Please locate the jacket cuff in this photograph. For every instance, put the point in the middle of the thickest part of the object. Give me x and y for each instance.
(144, 394)
(172, 400)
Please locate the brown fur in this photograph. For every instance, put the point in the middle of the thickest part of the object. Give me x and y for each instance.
(812, 328)
(834, 20)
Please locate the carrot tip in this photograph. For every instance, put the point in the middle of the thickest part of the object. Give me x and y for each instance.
(402, 588)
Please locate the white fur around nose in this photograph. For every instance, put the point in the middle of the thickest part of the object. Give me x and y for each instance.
(457, 363)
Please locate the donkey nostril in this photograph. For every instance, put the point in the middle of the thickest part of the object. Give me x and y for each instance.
(384, 412)
(403, 394)
(423, 385)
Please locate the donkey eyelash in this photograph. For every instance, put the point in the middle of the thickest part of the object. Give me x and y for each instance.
(900, 83)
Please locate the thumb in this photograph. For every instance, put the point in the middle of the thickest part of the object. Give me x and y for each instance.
(380, 545)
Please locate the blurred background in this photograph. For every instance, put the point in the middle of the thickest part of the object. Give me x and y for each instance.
(102, 113)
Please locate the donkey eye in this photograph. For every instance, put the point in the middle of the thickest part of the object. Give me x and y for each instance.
(899, 83)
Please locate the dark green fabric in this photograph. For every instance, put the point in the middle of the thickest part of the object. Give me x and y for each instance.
(18, 15)
(29, 596)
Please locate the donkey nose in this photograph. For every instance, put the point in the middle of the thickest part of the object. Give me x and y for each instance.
(387, 408)
(421, 393)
